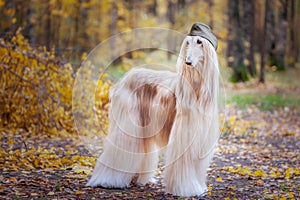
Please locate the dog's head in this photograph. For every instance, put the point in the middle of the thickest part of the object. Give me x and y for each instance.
(197, 60)
(194, 50)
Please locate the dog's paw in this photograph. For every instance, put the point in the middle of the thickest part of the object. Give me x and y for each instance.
(141, 182)
(153, 181)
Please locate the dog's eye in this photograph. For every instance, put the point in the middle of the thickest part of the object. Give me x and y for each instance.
(187, 42)
(199, 41)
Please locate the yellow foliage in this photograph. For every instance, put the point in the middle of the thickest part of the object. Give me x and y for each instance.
(40, 158)
(244, 171)
(2, 3)
(102, 102)
(36, 90)
(259, 173)
(275, 174)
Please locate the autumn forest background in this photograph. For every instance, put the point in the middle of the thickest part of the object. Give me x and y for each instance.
(43, 44)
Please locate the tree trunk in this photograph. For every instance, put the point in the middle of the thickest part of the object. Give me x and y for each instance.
(29, 28)
(263, 43)
(210, 13)
(57, 24)
(21, 12)
(248, 23)
(236, 48)
(113, 29)
(290, 47)
(277, 32)
(48, 26)
(152, 8)
(171, 17)
(296, 28)
(9, 27)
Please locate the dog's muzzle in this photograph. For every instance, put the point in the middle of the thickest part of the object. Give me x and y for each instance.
(188, 60)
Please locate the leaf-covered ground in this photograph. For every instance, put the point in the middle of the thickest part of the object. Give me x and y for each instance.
(258, 158)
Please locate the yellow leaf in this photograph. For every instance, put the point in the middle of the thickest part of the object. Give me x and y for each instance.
(259, 173)
(232, 119)
(219, 179)
(51, 193)
(275, 174)
(10, 141)
(83, 56)
(291, 195)
(78, 192)
(244, 171)
(232, 188)
(282, 198)
(289, 173)
(233, 170)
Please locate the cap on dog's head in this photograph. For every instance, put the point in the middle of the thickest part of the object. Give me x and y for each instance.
(200, 29)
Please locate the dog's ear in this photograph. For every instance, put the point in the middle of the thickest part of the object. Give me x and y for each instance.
(181, 56)
(210, 56)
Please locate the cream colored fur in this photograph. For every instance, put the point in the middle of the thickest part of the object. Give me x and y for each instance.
(152, 111)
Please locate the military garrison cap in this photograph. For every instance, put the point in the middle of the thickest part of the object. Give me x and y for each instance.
(200, 29)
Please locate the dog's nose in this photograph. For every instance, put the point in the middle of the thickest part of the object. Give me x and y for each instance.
(188, 60)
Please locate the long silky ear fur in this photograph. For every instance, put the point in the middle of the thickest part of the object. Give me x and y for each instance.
(181, 56)
(209, 99)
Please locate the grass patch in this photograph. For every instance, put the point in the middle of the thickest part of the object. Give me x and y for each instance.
(116, 71)
(264, 101)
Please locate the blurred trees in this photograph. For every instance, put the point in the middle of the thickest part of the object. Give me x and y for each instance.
(269, 28)
(72, 27)
(239, 45)
(36, 86)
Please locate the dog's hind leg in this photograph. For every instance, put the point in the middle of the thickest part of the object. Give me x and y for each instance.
(119, 162)
(123, 150)
(149, 164)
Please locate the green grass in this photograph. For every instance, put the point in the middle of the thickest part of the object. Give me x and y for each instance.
(264, 101)
(117, 71)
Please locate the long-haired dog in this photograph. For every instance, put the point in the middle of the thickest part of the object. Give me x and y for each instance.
(155, 110)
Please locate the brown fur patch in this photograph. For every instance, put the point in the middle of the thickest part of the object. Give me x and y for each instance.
(169, 110)
(145, 95)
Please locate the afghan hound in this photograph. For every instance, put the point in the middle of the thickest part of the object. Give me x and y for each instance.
(152, 111)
